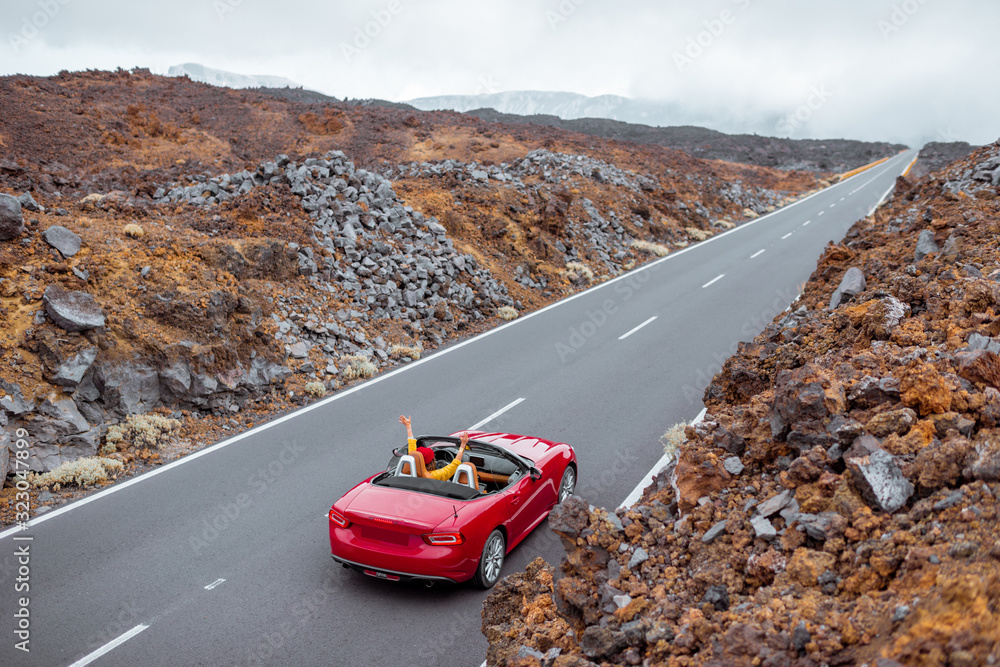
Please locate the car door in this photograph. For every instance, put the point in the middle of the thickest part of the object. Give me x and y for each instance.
(527, 500)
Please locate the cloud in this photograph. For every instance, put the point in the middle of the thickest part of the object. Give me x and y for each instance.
(904, 70)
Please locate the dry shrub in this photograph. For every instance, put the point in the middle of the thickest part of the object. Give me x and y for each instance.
(507, 313)
(651, 248)
(673, 438)
(579, 273)
(358, 366)
(315, 389)
(403, 351)
(697, 234)
(133, 230)
(139, 431)
(82, 472)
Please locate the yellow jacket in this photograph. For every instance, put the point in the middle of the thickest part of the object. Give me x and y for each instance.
(444, 473)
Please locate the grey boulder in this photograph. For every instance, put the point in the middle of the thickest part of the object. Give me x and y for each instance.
(72, 310)
(877, 476)
(14, 401)
(11, 220)
(925, 245)
(852, 284)
(62, 409)
(70, 372)
(62, 239)
(127, 388)
(28, 202)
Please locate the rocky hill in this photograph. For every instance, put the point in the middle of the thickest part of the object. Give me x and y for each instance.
(214, 256)
(936, 155)
(820, 155)
(838, 504)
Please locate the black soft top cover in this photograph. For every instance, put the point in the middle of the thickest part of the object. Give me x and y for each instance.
(434, 487)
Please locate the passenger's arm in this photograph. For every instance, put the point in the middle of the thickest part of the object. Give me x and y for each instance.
(446, 472)
(411, 442)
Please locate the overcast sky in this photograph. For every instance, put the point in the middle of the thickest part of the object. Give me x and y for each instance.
(899, 70)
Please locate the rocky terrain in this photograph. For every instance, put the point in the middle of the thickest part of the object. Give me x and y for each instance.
(821, 155)
(838, 504)
(935, 155)
(215, 257)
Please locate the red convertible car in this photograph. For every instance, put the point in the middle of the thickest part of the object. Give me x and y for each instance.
(401, 525)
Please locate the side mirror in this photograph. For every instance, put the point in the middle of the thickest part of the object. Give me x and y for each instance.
(535, 473)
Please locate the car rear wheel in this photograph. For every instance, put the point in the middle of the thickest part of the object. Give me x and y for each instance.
(568, 484)
(491, 562)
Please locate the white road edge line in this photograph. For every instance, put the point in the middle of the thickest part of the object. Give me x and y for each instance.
(758, 253)
(336, 397)
(495, 414)
(713, 280)
(217, 582)
(110, 646)
(873, 208)
(633, 498)
(624, 336)
(786, 236)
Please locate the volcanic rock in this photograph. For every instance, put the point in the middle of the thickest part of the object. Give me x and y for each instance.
(73, 311)
(877, 477)
(852, 284)
(62, 239)
(70, 372)
(925, 245)
(11, 220)
(28, 202)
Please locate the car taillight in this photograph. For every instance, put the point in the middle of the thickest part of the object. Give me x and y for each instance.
(444, 539)
(338, 518)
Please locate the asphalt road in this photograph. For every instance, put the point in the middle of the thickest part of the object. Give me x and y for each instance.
(223, 558)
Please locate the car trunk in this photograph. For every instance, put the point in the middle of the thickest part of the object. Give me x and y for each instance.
(399, 517)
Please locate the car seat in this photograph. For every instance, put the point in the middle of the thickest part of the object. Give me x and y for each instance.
(411, 465)
(467, 475)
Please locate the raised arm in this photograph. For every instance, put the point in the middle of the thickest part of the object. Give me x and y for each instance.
(411, 442)
(449, 470)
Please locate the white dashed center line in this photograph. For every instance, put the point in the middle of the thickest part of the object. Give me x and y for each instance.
(214, 584)
(624, 336)
(806, 223)
(758, 253)
(496, 414)
(832, 205)
(822, 212)
(842, 199)
(786, 236)
(713, 280)
(110, 646)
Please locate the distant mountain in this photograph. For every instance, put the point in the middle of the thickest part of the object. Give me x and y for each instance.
(563, 105)
(822, 155)
(218, 77)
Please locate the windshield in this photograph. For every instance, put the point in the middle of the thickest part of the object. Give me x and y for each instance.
(486, 457)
